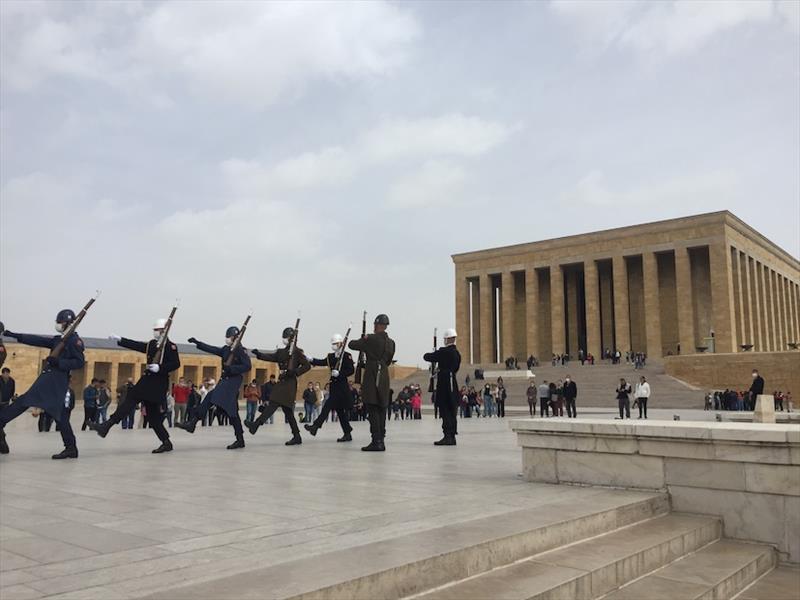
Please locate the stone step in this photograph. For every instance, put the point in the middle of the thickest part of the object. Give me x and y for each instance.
(410, 564)
(590, 568)
(782, 583)
(720, 570)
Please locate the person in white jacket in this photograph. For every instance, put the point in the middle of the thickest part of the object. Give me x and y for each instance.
(642, 394)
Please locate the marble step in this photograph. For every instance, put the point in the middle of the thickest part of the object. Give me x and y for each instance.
(590, 568)
(409, 564)
(719, 571)
(782, 583)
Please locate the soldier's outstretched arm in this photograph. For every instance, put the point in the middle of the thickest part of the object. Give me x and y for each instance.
(360, 344)
(266, 356)
(135, 345)
(318, 362)
(206, 347)
(431, 356)
(32, 340)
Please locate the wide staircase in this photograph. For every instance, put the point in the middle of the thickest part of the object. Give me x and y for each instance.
(596, 383)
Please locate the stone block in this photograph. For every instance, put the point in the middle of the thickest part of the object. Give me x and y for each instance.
(791, 538)
(765, 409)
(745, 516)
(772, 479)
(667, 448)
(539, 464)
(616, 470)
(705, 473)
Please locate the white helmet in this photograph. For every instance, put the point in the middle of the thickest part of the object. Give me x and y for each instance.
(450, 333)
(160, 324)
(337, 338)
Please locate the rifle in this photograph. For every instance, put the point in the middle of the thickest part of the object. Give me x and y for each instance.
(362, 358)
(59, 347)
(237, 342)
(432, 383)
(344, 348)
(293, 344)
(162, 339)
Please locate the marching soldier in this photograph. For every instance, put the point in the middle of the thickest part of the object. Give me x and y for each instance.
(379, 350)
(447, 360)
(50, 390)
(151, 389)
(285, 391)
(340, 398)
(225, 393)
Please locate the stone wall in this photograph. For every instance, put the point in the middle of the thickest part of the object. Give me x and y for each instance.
(747, 474)
(780, 370)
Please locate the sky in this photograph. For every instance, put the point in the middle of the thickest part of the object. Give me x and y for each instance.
(330, 157)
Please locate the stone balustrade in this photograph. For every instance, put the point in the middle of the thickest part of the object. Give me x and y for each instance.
(748, 474)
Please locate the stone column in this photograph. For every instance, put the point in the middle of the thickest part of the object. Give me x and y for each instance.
(683, 285)
(531, 311)
(739, 298)
(592, 291)
(749, 332)
(487, 318)
(722, 313)
(766, 305)
(557, 309)
(795, 332)
(781, 320)
(622, 318)
(475, 325)
(507, 315)
(652, 305)
(760, 335)
(462, 323)
(113, 380)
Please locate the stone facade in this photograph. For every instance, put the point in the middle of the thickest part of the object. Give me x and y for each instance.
(706, 283)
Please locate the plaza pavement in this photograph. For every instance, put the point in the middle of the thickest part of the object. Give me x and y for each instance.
(122, 523)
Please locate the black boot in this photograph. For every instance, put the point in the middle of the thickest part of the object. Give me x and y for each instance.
(374, 446)
(3, 444)
(239, 443)
(447, 440)
(312, 429)
(187, 426)
(166, 446)
(102, 429)
(296, 439)
(345, 438)
(66, 453)
(252, 426)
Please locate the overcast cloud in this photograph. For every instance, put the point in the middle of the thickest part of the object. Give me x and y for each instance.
(330, 157)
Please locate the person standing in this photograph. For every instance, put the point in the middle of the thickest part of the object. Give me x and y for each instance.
(8, 387)
(103, 401)
(623, 399)
(309, 398)
(756, 388)
(151, 389)
(642, 394)
(180, 392)
(90, 395)
(570, 394)
(502, 396)
(544, 399)
(284, 395)
(379, 350)
(252, 397)
(530, 394)
(49, 391)
(266, 392)
(448, 361)
(226, 393)
(122, 394)
(340, 362)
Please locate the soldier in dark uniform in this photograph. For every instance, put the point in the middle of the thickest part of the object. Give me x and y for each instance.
(49, 391)
(379, 350)
(448, 361)
(340, 399)
(226, 393)
(151, 389)
(3, 352)
(284, 393)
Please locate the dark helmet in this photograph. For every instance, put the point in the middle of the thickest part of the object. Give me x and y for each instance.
(231, 331)
(288, 333)
(381, 319)
(65, 316)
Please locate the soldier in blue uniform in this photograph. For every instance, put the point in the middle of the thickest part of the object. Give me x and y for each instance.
(50, 390)
(151, 389)
(340, 398)
(224, 396)
(448, 361)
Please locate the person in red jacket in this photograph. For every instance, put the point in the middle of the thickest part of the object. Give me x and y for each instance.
(180, 392)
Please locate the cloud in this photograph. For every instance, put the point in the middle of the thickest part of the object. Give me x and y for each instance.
(247, 53)
(687, 191)
(436, 183)
(667, 27)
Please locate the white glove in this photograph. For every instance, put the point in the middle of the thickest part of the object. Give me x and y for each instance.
(114, 337)
(334, 373)
(154, 368)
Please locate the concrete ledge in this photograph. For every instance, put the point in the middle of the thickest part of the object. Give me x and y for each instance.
(747, 473)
